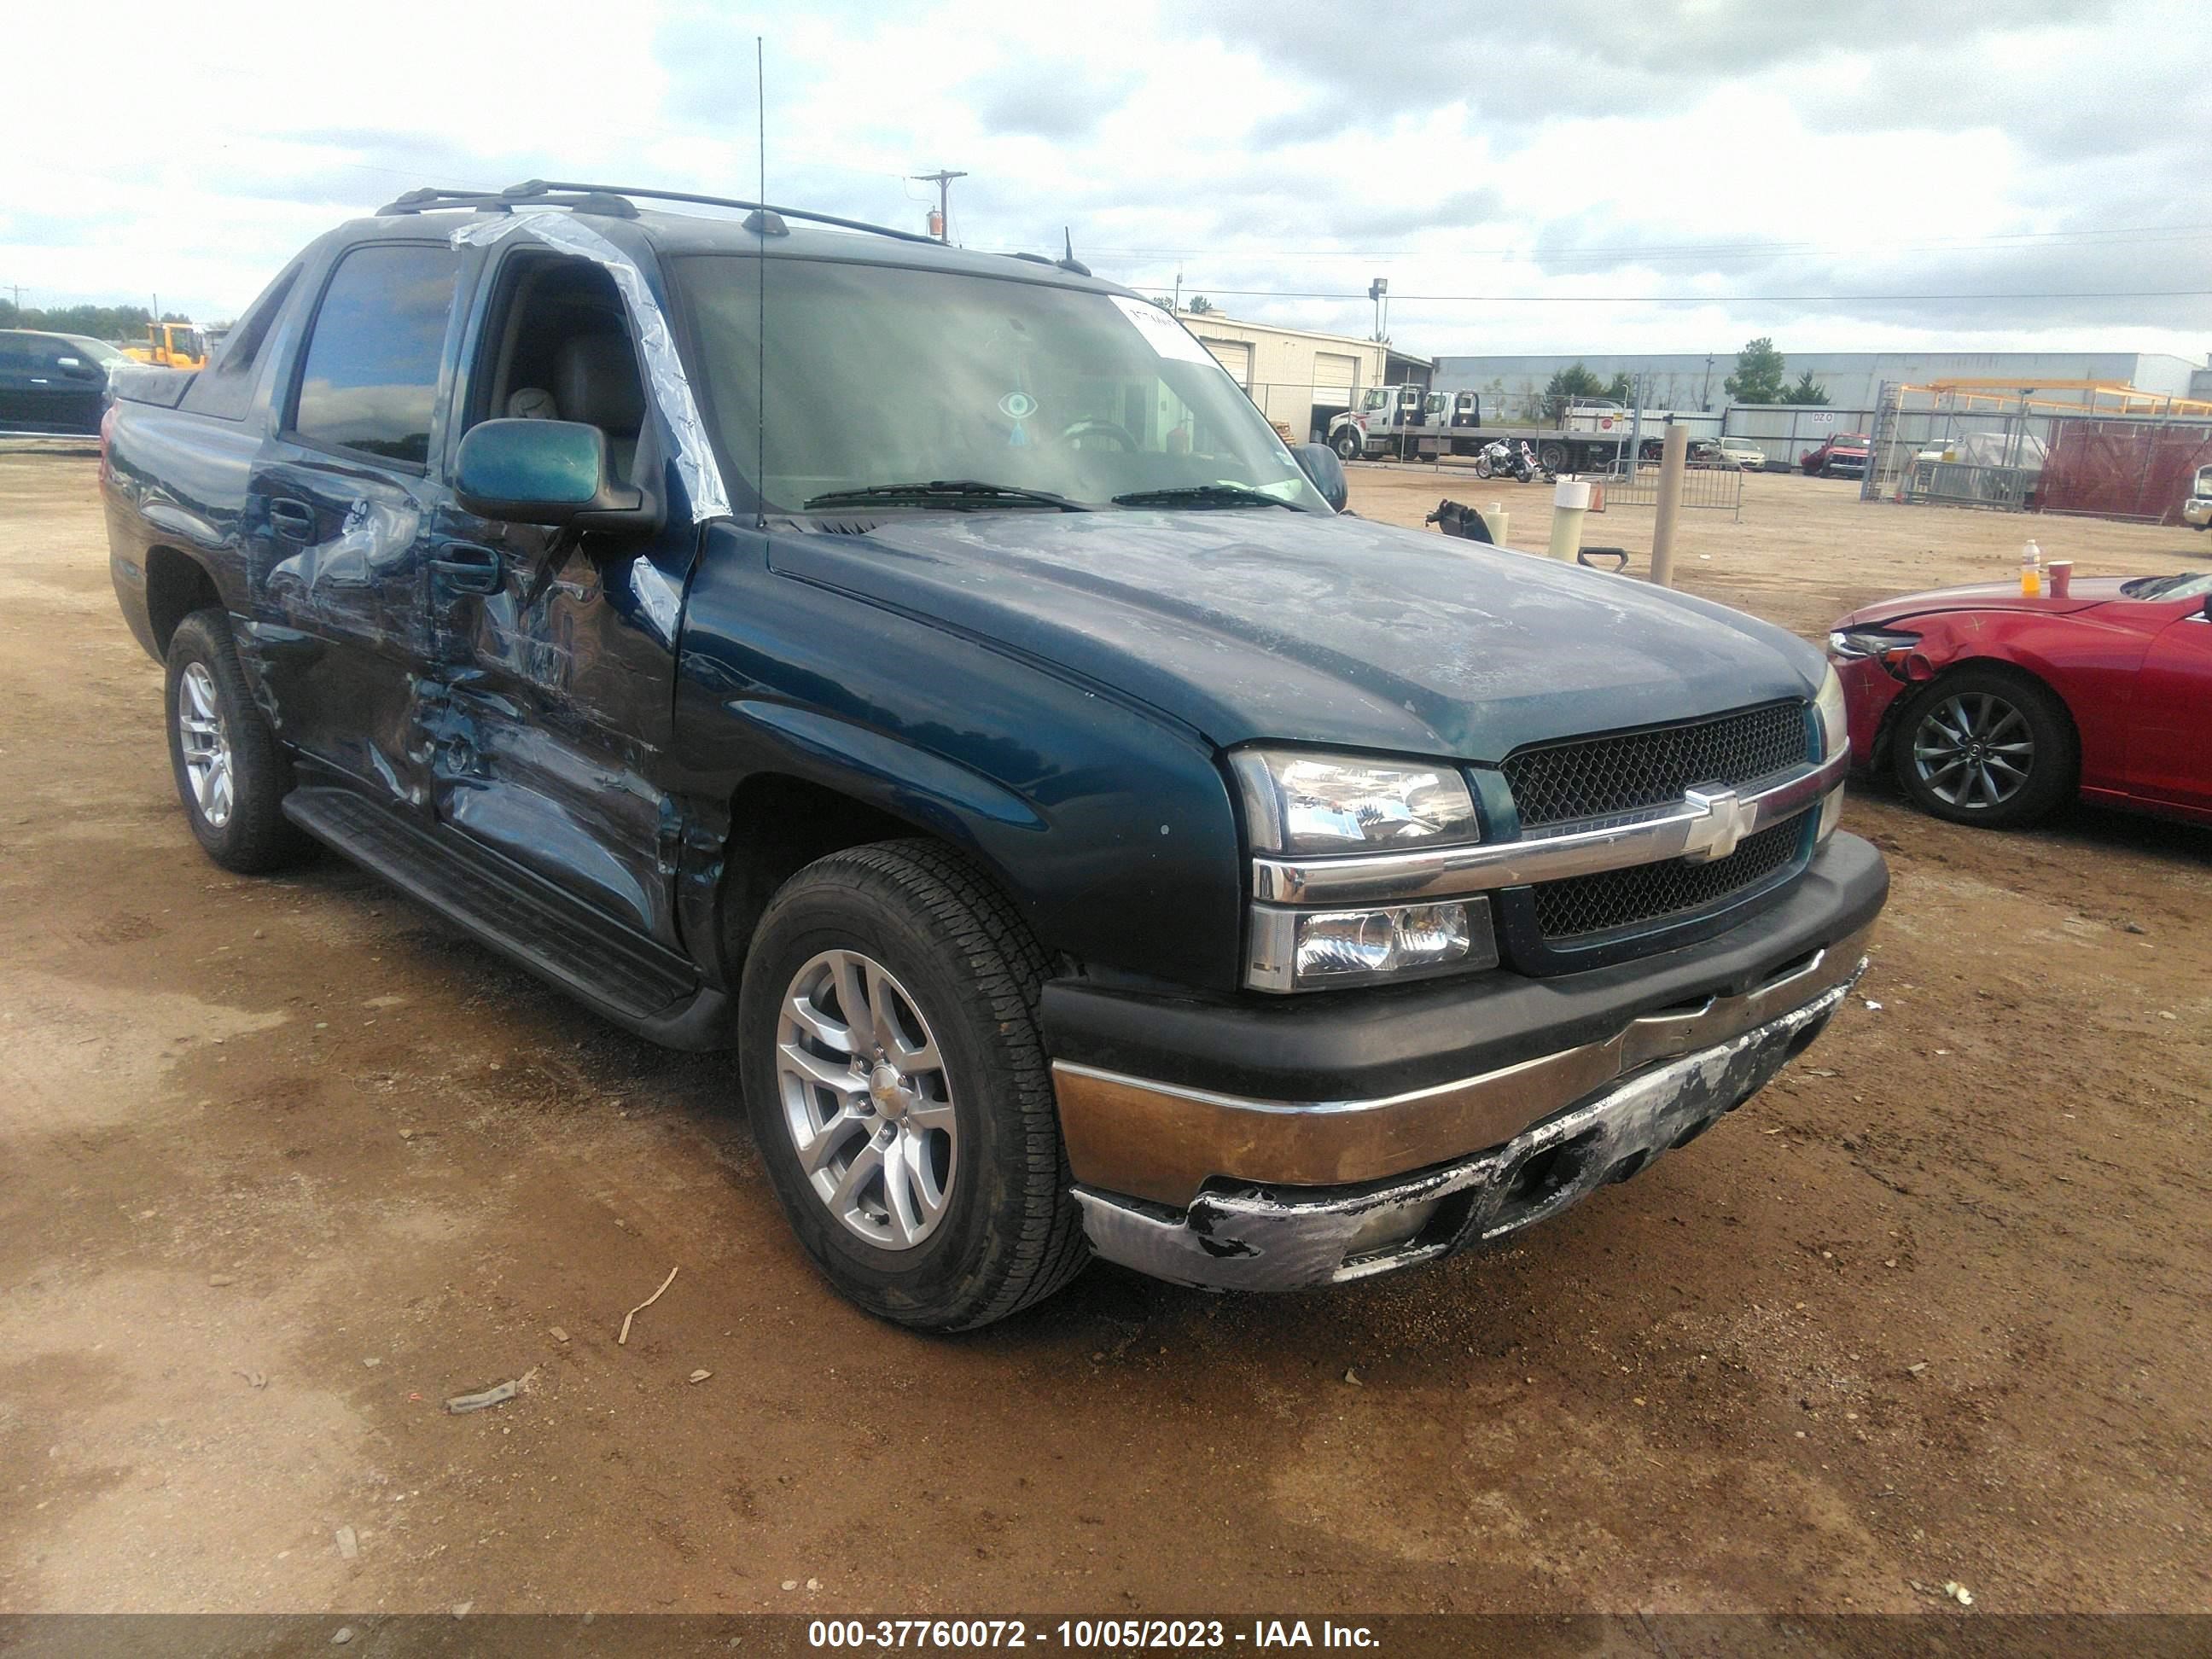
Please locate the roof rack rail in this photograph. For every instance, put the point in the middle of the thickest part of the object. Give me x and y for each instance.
(432, 200)
(612, 199)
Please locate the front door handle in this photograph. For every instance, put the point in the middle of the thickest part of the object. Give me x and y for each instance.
(295, 519)
(465, 568)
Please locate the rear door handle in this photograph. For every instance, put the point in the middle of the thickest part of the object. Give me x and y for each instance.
(294, 519)
(465, 568)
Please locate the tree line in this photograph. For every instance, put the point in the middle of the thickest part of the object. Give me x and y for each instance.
(123, 323)
(1758, 380)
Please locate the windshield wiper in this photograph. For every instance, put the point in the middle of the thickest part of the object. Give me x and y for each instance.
(1212, 494)
(947, 492)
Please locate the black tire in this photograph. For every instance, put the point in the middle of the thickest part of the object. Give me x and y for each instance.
(1991, 707)
(1482, 466)
(253, 837)
(1552, 457)
(1350, 445)
(1010, 1233)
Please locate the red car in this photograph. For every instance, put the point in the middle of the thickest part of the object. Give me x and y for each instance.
(1845, 453)
(1993, 708)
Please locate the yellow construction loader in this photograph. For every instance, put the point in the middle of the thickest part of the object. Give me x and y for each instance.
(172, 345)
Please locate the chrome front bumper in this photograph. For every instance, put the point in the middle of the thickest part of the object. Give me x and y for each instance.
(1262, 1238)
(2197, 511)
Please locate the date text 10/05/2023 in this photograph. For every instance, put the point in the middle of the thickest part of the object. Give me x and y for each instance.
(1081, 1634)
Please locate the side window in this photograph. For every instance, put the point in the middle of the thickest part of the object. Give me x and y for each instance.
(15, 354)
(371, 376)
(225, 386)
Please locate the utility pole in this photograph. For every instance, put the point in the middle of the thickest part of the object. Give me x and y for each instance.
(16, 288)
(943, 179)
(1705, 385)
(1379, 291)
(1177, 308)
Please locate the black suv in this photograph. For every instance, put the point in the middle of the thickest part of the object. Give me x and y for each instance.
(926, 673)
(53, 383)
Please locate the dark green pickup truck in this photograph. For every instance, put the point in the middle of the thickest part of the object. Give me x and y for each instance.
(925, 675)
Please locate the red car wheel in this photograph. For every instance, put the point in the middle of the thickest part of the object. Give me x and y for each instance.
(1986, 746)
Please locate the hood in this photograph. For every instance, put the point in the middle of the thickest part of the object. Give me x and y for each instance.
(2087, 592)
(1294, 627)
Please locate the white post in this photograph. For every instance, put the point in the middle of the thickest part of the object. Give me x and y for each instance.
(1673, 460)
(1570, 502)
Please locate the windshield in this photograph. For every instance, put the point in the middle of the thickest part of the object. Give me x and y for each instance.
(1851, 441)
(1378, 397)
(99, 351)
(886, 376)
(2190, 584)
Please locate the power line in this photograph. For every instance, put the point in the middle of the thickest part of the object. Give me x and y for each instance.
(2025, 242)
(1715, 299)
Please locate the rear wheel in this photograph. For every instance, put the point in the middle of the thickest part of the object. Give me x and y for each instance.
(1552, 457)
(899, 1091)
(1986, 746)
(231, 772)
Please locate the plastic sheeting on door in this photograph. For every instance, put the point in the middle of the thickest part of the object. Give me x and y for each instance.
(672, 388)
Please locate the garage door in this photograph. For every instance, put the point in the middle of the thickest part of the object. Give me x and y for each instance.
(1334, 375)
(1235, 356)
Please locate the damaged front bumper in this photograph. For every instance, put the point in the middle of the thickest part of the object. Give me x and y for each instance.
(1273, 1238)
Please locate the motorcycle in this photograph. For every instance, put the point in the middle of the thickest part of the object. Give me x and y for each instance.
(1499, 460)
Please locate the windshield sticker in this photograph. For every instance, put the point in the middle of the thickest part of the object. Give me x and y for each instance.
(1017, 406)
(1166, 336)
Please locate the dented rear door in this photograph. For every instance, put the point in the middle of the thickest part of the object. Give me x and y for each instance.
(339, 514)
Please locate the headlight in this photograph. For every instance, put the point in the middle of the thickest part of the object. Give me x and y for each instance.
(1304, 804)
(1835, 739)
(1835, 718)
(1870, 642)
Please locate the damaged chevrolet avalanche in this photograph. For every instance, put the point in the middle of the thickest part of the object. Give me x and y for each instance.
(924, 675)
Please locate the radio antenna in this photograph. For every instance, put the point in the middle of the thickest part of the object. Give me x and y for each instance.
(760, 364)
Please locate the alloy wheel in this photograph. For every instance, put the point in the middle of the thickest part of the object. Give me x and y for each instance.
(205, 740)
(1973, 751)
(867, 1099)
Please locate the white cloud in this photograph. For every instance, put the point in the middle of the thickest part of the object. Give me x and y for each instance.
(1573, 150)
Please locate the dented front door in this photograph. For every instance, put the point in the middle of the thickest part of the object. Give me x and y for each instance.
(548, 716)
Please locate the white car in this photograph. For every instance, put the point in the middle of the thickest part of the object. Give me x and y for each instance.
(1744, 453)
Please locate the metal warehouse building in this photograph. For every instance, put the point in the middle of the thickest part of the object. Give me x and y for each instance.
(1852, 379)
(1297, 376)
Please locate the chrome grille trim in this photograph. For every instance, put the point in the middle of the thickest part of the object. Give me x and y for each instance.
(1684, 830)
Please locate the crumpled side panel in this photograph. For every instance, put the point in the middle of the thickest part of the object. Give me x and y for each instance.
(664, 368)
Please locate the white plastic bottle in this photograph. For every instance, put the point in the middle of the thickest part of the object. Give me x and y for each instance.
(2031, 570)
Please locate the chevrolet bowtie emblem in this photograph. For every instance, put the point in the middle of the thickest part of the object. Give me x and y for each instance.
(1723, 821)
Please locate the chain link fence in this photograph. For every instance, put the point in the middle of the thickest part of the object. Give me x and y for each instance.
(1926, 449)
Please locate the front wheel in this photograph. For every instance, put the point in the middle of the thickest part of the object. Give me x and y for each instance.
(1482, 466)
(231, 773)
(1350, 445)
(899, 1091)
(1987, 747)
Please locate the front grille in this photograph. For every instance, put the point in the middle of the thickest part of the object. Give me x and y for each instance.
(1597, 777)
(1584, 905)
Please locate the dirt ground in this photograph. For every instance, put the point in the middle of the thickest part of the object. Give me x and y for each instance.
(284, 1163)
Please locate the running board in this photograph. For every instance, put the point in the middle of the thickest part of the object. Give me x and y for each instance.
(616, 972)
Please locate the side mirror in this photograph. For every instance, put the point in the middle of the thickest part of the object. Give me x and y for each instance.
(547, 472)
(1320, 465)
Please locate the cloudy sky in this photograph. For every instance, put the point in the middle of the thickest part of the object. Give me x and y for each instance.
(1571, 175)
